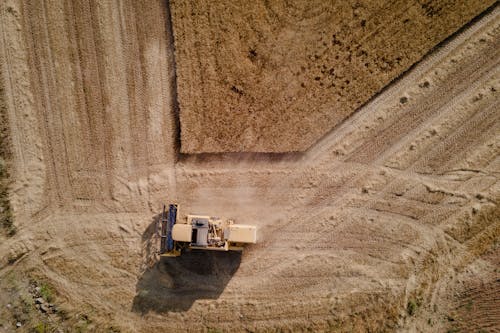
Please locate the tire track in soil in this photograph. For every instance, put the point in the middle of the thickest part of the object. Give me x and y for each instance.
(39, 81)
(93, 116)
(439, 127)
(278, 282)
(415, 116)
(464, 138)
(359, 126)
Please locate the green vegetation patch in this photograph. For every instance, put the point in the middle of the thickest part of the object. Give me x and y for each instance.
(411, 307)
(6, 218)
(46, 292)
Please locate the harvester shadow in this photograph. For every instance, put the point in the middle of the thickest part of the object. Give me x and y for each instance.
(175, 283)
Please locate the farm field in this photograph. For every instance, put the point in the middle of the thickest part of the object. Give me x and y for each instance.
(276, 76)
(389, 222)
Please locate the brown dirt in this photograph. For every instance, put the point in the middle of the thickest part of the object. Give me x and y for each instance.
(275, 76)
(378, 214)
(475, 304)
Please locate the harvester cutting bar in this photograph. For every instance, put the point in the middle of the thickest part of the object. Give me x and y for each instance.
(172, 218)
(167, 221)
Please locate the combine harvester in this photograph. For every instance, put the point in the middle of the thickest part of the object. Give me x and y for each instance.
(200, 232)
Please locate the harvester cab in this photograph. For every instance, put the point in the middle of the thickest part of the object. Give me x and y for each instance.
(201, 232)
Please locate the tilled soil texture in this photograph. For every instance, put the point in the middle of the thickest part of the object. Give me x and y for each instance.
(375, 217)
(275, 76)
(89, 95)
(475, 302)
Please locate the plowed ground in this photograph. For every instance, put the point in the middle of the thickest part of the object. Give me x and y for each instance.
(382, 213)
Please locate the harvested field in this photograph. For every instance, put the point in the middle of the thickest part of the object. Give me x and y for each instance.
(474, 305)
(388, 223)
(276, 76)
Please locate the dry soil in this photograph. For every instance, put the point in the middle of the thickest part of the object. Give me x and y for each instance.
(388, 223)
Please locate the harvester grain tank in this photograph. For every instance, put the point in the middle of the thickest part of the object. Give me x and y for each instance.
(201, 232)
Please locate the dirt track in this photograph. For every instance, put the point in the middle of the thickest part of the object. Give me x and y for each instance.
(385, 209)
